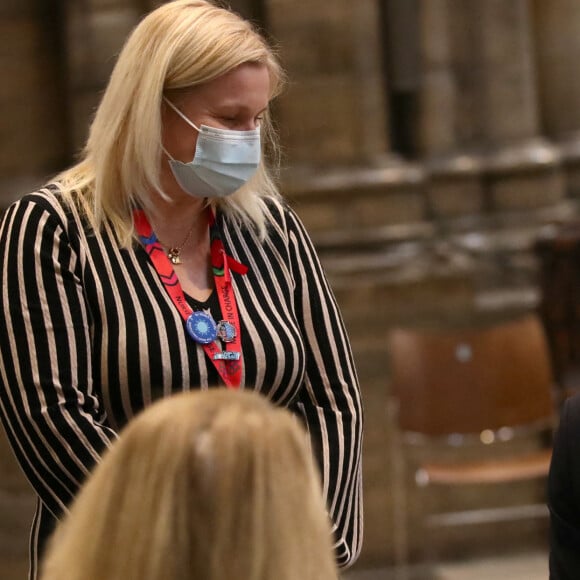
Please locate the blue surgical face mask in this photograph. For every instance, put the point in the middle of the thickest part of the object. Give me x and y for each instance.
(224, 160)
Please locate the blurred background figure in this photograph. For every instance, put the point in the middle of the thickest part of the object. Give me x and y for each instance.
(214, 484)
(564, 495)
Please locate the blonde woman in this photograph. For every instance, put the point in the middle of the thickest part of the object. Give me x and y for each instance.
(208, 485)
(166, 260)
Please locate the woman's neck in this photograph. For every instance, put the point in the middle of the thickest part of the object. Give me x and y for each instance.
(173, 220)
(181, 227)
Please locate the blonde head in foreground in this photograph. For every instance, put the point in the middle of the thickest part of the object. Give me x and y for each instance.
(179, 46)
(207, 485)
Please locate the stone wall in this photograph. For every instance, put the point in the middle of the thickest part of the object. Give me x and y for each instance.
(33, 121)
(437, 232)
(446, 235)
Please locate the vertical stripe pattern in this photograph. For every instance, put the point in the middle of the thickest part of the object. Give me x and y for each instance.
(88, 337)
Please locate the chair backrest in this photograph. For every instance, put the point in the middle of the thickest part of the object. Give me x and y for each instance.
(468, 380)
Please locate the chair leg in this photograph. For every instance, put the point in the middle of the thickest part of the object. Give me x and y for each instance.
(401, 514)
(399, 503)
(427, 561)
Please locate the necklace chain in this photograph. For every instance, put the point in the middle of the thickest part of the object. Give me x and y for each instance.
(174, 252)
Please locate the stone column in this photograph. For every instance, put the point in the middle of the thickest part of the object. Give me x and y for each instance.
(437, 130)
(96, 31)
(557, 36)
(524, 170)
(32, 123)
(334, 110)
(481, 81)
(349, 189)
(446, 119)
(333, 121)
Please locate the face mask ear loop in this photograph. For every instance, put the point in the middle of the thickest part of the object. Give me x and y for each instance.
(167, 153)
(188, 121)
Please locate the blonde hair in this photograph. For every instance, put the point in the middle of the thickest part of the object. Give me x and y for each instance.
(179, 45)
(207, 485)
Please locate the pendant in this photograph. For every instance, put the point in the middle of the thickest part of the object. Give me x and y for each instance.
(173, 255)
(201, 327)
(226, 331)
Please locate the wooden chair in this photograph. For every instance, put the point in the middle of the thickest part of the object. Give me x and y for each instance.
(463, 398)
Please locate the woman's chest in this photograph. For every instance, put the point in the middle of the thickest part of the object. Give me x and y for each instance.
(141, 350)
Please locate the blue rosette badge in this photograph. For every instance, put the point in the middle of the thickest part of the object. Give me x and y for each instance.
(201, 327)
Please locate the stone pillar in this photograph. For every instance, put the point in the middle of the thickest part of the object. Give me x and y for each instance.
(437, 130)
(32, 147)
(32, 123)
(96, 31)
(557, 36)
(504, 59)
(524, 170)
(348, 188)
(333, 121)
(481, 100)
(334, 110)
(446, 121)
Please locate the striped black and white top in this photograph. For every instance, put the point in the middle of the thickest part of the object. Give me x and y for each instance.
(89, 336)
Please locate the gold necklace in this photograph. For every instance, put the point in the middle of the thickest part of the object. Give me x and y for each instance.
(174, 252)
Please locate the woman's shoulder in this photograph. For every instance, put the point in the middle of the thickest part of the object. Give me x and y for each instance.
(281, 223)
(280, 212)
(274, 208)
(47, 198)
(48, 201)
(272, 212)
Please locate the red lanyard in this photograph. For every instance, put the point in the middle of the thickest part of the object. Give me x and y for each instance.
(228, 363)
